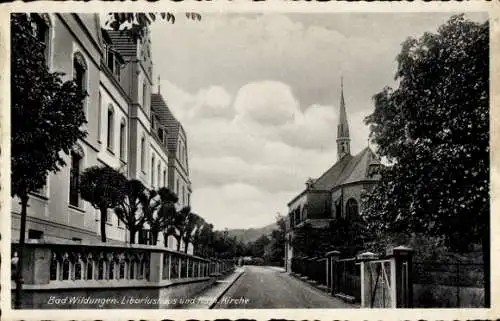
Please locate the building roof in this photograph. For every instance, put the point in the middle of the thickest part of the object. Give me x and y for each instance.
(348, 169)
(167, 119)
(123, 43)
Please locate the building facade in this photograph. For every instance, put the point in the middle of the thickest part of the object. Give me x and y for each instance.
(337, 192)
(117, 74)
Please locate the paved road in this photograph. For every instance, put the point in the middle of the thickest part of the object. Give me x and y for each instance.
(266, 288)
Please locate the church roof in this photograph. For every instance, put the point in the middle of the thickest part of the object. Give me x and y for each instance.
(348, 169)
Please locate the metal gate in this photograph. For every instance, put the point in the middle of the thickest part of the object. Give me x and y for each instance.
(348, 278)
(379, 284)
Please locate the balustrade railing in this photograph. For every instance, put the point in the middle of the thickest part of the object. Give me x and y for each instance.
(78, 264)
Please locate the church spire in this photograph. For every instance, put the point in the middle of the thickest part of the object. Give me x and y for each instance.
(343, 139)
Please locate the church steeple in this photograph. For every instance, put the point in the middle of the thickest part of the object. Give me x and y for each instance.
(343, 139)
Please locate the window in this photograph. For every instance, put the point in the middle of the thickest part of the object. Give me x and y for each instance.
(158, 172)
(110, 58)
(153, 122)
(177, 188)
(99, 117)
(110, 127)
(183, 195)
(144, 95)
(351, 208)
(338, 209)
(35, 234)
(153, 172)
(41, 29)
(117, 68)
(79, 71)
(189, 199)
(74, 197)
(160, 134)
(143, 153)
(164, 177)
(122, 140)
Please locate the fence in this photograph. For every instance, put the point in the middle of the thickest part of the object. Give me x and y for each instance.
(452, 285)
(348, 278)
(367, 279)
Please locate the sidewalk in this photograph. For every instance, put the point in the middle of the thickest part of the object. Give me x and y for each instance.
(313, 284)
(277, 268)
(208, 298)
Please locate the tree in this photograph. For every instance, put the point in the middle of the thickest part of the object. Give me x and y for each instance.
(275, 250)
(194, 222)
(129, 208)
(203, 239)
(46, 119)
(259, 245)
(434, 130)
(102, 187)
(161, 213)
(178, 224)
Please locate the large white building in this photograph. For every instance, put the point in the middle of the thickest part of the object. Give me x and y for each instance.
(129, 128)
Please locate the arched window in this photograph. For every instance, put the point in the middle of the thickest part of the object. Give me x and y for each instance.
(110, 136)
(144, 95)
(153, 172)
(75, 171)
(123, 139)
(40, 22)
(143, 153)
(351, 208)
(80, 73)
(303, 214)
(99, 118)
(158, 172)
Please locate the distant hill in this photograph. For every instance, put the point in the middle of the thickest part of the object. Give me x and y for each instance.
(252, 234)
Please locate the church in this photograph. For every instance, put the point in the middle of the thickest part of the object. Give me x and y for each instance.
(337, 192)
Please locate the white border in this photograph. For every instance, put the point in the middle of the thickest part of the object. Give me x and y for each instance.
(248, 6)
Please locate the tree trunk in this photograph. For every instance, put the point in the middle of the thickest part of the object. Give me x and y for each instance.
(20, 252)
(178, 243)
(154, 237)
(132, 232)
(104, 212)
(186, 247)
(486, 266)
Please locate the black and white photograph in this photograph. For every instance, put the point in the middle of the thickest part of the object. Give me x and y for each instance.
(249, 160)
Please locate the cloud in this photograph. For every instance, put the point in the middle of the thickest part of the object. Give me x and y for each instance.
(258, 96)
(266, 102)
(258, 158)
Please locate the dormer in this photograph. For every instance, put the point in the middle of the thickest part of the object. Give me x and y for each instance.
(309, 183)
(113, 60)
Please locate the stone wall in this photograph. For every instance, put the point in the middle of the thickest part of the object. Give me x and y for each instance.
(168, 296)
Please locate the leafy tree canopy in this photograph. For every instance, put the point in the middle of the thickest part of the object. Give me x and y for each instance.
(102, 187)
(136, 23)
(434, 129)
(46, 112)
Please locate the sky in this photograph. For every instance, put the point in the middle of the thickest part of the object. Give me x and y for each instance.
(258, 95)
